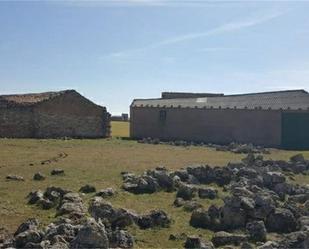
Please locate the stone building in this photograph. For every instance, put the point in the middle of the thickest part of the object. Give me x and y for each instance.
(275, 119)
(52, 115)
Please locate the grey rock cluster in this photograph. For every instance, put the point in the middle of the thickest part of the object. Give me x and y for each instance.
(232, 147)
(260, 200)
(101, 226)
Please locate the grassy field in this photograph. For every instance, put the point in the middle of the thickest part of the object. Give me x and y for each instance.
(120, 129)
(99, 162)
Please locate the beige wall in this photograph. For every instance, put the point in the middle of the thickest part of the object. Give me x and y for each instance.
(216, 126)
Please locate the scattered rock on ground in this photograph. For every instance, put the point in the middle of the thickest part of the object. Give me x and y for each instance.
(14, 178)
(38, 177)
(87, 189)
(57, 172)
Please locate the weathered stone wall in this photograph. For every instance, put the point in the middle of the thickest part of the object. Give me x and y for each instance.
(16, 122)
(71, 115)
(68, 115)
(208, 125)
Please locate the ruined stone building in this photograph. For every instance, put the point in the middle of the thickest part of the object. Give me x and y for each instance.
(52, 115)
(275, 119)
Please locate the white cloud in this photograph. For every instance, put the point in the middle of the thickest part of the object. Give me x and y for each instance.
(222, 29)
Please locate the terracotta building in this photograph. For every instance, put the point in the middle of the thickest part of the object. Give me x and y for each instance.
(52, 115)
(276, 119)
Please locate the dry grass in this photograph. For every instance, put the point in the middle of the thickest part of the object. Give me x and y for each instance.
(120, 129)
(99, 162)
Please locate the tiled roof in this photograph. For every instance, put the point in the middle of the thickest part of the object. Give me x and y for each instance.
(30, 98)
(292, 99)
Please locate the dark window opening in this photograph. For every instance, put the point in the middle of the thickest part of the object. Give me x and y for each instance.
(162, 115)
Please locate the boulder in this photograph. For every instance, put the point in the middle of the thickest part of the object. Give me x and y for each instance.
(121, 239)
(34, 196)
(179, 202)
(297, 240)
(71, 203)
(207, 193)
(30, 224)
(156, 218)
(189, 206)
(87, 189)
(110, 216)
(91, 235)
(256, 231)
(281, 220)
(194, 242)
(186, 192)
(201, 218)
(57, 172)
(142, 185)
(225, 238)
(273, 178)
(297, 158)
(28, 236)
(38, 177)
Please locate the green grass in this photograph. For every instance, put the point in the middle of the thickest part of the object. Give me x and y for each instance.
(99, 162)
(120, 129)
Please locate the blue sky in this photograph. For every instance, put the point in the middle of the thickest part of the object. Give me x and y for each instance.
(115, 51)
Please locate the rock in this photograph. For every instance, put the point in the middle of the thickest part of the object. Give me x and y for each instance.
(30, 224)
(194, 242)
(57, 172)
(200, 218)
(14, 178)
(273, 178)
(64, 232)
(297, 240)
(38, 177)
(45, 204)
(29, 236)
(301, 198)
(110, 216)
(156, 218)
(104, 193)
(91, 235)
(281, 221)
(87, 189)
(246, 245)
(297, 158)
(34, 196)
(269, 245)
(186, 192)
(121, 239)
(224, 238)
(164, 180)
(257, 231)
(233, 218)
(189, 206)
(71, 203)
(179, 202)
(142, 185)
(304, 223)
(209, 193)
(175, 237)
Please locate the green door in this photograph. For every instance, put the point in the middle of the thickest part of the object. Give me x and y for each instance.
(295, 131)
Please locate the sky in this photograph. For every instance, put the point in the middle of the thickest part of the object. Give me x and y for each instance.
(115, 51)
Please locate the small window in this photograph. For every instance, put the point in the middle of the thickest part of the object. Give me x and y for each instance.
(162, 115)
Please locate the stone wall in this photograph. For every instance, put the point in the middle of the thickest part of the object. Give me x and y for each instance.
(68, 115)
(16, 122)
(208, 125)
